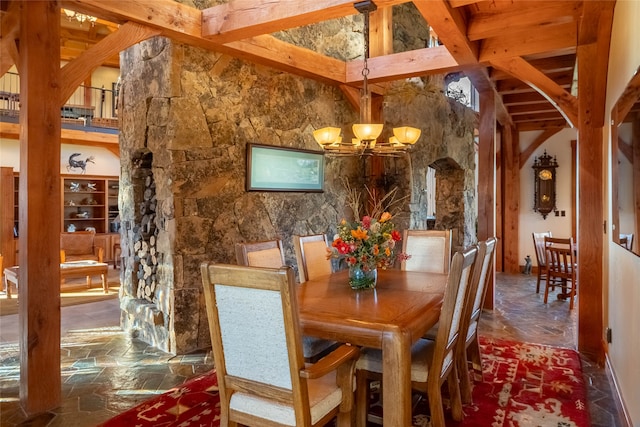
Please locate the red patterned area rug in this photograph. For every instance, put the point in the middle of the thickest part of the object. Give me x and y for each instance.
(523, 385)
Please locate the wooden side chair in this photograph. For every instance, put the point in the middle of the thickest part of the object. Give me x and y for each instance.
(561, 266)
(260, 254)
(311, 254)
(626, 240)
(541, 257)
(257, 350)
(469, 347)
(269, 254)
(430, 250)
(432, 362)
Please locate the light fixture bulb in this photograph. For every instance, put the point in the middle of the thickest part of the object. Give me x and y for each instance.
(367, 131)
(406, 134)
(327, 136)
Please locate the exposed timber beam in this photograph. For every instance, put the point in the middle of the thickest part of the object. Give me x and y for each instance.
(74, 72)
(540, 139)
(69, 136)
(451, 26)
(566, 103)
(237, 20)
(9, 29)
(557, 38)
(497, 22)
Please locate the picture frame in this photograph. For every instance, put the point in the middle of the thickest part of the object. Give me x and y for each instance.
(272, 168)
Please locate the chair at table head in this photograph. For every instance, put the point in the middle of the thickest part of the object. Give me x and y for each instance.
(311, 254)
(260, 254)
(626, 240)
(538, 244)
(255, 336)
(430, 250)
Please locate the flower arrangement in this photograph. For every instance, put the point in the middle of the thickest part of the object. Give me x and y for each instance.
(368, 243)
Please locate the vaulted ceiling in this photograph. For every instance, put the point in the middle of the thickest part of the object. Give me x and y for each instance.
(522, 52)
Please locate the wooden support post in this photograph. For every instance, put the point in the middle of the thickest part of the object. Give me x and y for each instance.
(590, 211)
(511, 199)
(486, 179)
(39, 293)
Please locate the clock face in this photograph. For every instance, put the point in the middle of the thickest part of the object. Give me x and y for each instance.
(545, 174)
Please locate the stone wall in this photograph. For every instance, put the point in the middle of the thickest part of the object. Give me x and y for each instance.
(187, 118)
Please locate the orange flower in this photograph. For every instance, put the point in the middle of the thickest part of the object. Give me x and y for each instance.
(376, 250)
(385, 217)
(359, 234)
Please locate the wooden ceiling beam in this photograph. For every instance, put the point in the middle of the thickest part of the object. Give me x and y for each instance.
(537, 116)
(74, 72)
(515, 110)
(541, 125)
(69, 136)
(9, 30)
(69, 54)
(450, 26)
(563, 79)
(554, 39)
(237, 20)
(566, 103)
(540, 139)
(523, 98)
(520, 15)
(420, 62)
(546, 65)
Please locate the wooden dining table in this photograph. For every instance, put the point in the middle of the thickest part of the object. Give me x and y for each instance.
(391, 317)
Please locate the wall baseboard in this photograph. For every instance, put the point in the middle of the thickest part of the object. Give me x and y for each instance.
(617, 396)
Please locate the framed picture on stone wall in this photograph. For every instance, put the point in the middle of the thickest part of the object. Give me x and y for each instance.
(271, 168)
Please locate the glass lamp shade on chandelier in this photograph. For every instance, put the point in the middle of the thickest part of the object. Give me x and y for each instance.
(366, 133)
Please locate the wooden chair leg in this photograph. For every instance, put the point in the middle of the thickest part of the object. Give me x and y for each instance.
(454, 394)
(465, 378)
(362, 399)
(546, 290)
(473, 354)
(88, 282)
(435, 406)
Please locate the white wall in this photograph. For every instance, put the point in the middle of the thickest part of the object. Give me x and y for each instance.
(558, 146)
(622, 292)
(106, 163)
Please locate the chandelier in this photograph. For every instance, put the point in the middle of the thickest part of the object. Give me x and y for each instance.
(366, 133)
(71, 15)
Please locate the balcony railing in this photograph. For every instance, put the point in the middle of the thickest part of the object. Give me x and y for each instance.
(88, 107)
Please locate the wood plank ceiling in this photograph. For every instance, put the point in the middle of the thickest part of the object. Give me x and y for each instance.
(522, 51)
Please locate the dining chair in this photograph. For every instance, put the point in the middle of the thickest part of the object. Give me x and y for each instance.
(541, 257)
(430, 250)
(257, 350)
(469, 347)
(432, 362)
(561, 266)
(269, 254)
(311, 254)
(626, 240)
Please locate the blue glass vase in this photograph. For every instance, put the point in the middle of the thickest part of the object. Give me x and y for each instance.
(360, 278)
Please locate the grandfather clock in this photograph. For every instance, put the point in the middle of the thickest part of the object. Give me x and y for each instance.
(544, 168)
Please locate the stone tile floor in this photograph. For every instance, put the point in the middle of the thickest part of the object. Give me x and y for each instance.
(105, 371)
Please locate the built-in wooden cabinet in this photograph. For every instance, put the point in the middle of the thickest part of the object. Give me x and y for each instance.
(89, 203)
